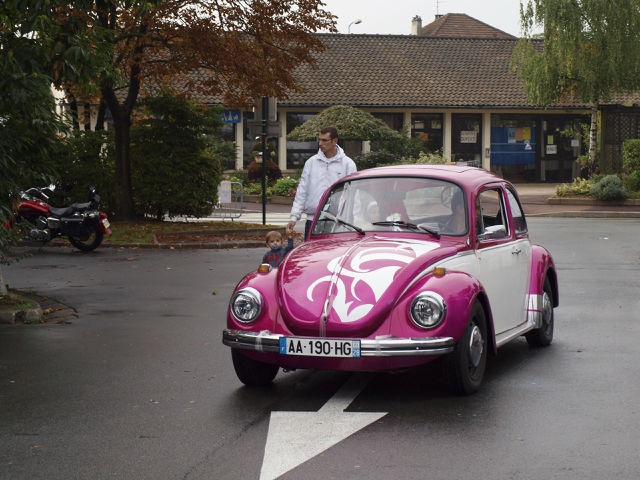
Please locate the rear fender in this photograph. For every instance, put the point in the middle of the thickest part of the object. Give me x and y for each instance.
(543, 267)
(101, 224)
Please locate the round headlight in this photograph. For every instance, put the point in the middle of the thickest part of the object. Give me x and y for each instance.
(428, 309)
(246, 305)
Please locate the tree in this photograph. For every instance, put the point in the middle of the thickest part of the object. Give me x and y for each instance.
(590, 50)
(173, 131)
(237, 49)
(352, 124)
(28, 122)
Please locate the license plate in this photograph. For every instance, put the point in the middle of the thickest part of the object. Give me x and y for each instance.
(320, 347)
(106, 223)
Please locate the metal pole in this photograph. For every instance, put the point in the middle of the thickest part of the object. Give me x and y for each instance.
(265, 117)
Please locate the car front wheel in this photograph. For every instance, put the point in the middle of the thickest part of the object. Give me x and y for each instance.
(467, 363)
(252, 372)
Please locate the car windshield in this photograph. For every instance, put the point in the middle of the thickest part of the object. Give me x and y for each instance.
(422, 205)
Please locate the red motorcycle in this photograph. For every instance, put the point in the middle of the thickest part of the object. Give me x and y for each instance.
(82, 223)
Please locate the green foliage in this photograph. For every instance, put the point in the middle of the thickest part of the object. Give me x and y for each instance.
(631, 164)
(580, 186)
(28, 123)
(431, 158)
(223, 150)
(172, 171)
(579, 35)
(609, 188)
(85, 160)
(591, 50)
(374, 159)
(401, 146)
(285, 187)
(352, 124)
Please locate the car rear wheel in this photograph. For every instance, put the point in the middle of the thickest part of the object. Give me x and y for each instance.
(467, 363)
(542, 336)
(252, 372)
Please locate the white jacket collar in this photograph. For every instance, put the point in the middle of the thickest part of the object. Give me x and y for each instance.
(338, 156)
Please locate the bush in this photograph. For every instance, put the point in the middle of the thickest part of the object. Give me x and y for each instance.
(223, 151)
(285, 187)
(374, 159)
(580, 186)
(609, 188)
(631, 164)
(172, 171)
(86, 160)
(254, 171)
(431, 158)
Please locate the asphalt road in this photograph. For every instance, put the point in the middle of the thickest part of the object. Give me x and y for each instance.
(139, 386)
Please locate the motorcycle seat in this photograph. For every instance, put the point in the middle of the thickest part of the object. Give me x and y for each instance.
(81, 206)
(61, 212)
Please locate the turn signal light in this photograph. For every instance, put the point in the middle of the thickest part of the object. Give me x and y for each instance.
(439, 271)
(264, 268)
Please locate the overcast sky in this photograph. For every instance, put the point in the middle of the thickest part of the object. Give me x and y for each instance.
(394, 17)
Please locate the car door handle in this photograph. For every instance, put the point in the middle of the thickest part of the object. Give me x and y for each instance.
(516, 251)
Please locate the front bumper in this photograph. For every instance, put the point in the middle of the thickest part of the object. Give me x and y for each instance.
(268, 342)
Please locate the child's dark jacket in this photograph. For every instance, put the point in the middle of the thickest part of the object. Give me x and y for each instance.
(274, 257)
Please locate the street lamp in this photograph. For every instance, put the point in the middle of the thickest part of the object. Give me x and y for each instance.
(355, 22)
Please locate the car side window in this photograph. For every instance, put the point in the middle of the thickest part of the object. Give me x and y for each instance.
(490, 215)
(519, 222)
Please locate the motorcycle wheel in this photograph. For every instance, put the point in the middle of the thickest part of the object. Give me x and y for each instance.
(88, 244)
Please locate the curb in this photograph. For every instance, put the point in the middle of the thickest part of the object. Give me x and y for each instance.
(10, 315)
(590, 201)
(46, 311)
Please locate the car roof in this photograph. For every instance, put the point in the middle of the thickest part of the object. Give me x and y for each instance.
(470, 178)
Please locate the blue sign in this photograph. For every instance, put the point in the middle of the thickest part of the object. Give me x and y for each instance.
(231, 116)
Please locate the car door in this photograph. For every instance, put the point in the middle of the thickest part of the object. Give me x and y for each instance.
(503, 258)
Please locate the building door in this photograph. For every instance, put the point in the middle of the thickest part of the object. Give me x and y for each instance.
(466, 138)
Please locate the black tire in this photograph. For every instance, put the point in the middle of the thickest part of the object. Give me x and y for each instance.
(543, 336)
(251, 372)
(86, 245)
(466, 364)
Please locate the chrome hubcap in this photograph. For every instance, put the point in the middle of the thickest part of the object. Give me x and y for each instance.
(476, 346)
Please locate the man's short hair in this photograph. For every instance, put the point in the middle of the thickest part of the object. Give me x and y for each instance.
(332, 131)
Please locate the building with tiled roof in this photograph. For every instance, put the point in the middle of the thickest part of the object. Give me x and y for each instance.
(458, 94)
(462, 26)
(449, 84)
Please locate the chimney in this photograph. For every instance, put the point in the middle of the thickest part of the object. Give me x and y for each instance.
(416, 25)
(439, 15)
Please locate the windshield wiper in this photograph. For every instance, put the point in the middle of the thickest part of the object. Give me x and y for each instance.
(412, 226)
(344, 222)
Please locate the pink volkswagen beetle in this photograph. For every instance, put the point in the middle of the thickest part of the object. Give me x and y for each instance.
(404, 264)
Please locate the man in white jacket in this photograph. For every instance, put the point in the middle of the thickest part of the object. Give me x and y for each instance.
(328, 166)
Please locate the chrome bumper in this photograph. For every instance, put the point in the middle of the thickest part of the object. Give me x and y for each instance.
(380, 347)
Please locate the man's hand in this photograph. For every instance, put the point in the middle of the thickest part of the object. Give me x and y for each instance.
(290, 226)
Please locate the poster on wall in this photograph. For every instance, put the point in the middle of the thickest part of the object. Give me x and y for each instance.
(511, 134)
(552, 149)
(468, 136)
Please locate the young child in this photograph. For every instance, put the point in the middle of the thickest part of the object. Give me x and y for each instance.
(276, 250)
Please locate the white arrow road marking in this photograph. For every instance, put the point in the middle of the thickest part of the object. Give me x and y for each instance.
(295, 437)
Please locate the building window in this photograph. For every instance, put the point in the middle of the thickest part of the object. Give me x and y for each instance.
(393, 120)
(428, 128)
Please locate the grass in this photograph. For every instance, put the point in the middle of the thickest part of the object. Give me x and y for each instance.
(15, 302)
(146, 231)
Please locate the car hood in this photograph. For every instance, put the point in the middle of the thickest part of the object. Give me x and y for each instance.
(346, 288)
